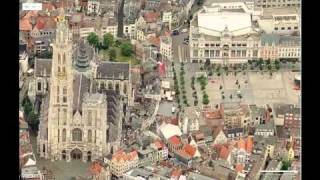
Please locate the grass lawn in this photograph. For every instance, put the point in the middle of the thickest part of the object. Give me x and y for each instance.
(120, 57)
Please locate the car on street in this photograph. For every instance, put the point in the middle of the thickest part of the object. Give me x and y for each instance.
(175, 32)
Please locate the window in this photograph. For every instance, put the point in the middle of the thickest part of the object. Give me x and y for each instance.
(64, 135)
(89, 118)
(206, 53)
(289, 28)
(39, 86)
(89, 135)
(282, 28)
(64, 99)
(218, 45)
(117, 87)
(206, 45)
(276, 28)
(64, 58)
(58, 135)
(233, 45)
(217, 53)
(77, 135)
(212, 45)
(110, 86)
(59, 59)
(296, 27)
(125, 88)
(64, 90)
(64, 116)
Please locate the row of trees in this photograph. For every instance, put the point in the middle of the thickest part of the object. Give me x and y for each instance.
(31, 116)
(203, 82)
(194, 94)
(182, 83)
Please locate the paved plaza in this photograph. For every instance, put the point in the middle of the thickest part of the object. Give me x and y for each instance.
(61, 170)
(255, 87)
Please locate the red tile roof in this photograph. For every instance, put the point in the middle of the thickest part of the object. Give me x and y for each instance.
(25, 25)
(155, 41)
(151, 17)
(190, 150)
(40, 24)
(239, 167)
(224, 153)
(241, 144)
(249, 144)
(47, 6)
(176, 173)
(123, 156)
(174, 140)
(95, 168)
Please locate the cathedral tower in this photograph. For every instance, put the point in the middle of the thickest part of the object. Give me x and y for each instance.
(61, 89)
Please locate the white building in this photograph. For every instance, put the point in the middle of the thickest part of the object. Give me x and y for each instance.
(130, 30)
(23, 61)
(289, 47)
(93, 7)
(223, 36)
(166, 47)
(282, 20)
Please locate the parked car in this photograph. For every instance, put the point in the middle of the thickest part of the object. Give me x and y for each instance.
(175, 32)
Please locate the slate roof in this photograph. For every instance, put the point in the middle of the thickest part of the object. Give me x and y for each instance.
(41, 65)
(81, 85)
(113, 70)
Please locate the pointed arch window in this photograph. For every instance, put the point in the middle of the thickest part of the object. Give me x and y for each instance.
(89, 135)
(77, 135)
(64, 135)
(125, 88)
(64, 58)
(89, 118)
(64, 90)
(59, 59)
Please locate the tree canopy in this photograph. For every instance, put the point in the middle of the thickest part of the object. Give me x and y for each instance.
(108, 40)
(112, 54)
(93, 39)
(126, 49)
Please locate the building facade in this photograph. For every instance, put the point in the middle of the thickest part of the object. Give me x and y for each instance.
(166, 47)
(84, 110)
(223, 36)
(277, 3)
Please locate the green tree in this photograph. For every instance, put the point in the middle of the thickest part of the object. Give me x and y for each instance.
(93, 40)
(205, 99)
(112, 54)
(27, 106)
(33, 120)
(285, 165)
(117, 43)
(108, 40)
(126, 49)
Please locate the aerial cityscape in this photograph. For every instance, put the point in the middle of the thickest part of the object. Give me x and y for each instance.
(160, 89)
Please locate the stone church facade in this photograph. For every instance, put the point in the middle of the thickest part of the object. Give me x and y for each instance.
(85, 104)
